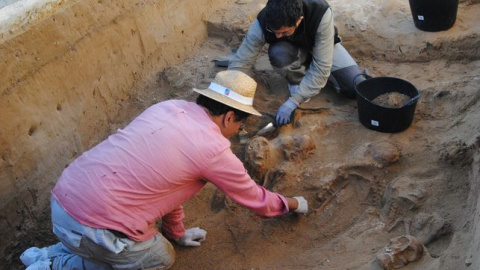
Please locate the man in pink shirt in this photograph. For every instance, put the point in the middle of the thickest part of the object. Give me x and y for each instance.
(106, 203)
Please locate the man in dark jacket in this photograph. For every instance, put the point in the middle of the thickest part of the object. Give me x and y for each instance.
(304, 48)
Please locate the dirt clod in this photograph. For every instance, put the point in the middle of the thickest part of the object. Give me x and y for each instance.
(391, 100)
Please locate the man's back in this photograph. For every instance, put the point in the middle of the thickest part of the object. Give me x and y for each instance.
(124, 182)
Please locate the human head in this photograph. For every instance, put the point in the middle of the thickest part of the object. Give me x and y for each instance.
(283, 13)
(234, 89)
(260, 157)
(229, 100)
(216, 108)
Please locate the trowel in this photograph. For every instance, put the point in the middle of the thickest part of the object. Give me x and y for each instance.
(269, 128)
(224, 61)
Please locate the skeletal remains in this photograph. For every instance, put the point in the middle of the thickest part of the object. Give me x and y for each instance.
(268, 161)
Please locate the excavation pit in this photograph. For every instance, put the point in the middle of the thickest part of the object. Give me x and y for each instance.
(80, 70)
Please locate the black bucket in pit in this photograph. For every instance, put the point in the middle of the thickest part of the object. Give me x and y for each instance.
(434, 15)
(380, 118)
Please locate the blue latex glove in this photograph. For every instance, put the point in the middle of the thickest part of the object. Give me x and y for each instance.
(293, 88)
(284, 114)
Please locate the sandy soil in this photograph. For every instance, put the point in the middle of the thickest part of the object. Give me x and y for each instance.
(364, 187)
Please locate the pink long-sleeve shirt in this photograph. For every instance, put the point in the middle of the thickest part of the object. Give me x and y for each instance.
(147, 170)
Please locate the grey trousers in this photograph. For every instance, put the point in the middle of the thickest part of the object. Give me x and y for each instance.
(84, 247)
(292, 63)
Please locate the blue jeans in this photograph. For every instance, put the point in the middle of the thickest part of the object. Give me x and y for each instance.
(91, 248)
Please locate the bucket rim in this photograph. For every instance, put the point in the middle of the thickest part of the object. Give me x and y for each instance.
(413, 99)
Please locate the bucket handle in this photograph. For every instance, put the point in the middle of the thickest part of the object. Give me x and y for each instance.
(412, 100)
(355, 84)
(360, 74)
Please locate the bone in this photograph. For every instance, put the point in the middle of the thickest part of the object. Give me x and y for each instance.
(428, 227)
(263, 155)
(400, 252)
(401, 196)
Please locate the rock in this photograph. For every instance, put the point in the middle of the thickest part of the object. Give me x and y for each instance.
(174, 77)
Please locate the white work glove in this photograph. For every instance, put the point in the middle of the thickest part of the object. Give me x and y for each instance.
(302, 205)
(192, 237)
(33, 255)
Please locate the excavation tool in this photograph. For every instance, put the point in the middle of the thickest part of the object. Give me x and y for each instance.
(223, 61)
(270, 127)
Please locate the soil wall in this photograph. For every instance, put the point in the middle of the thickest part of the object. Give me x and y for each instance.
(473, 260)
(68, 68)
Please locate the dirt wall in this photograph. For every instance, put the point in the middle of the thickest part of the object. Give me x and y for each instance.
(68, 68)
(472, 259)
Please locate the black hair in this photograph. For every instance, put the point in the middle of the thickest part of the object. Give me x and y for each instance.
(217, 108)
(281, 13)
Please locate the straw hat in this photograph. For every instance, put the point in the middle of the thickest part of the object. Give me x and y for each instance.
(233, 88)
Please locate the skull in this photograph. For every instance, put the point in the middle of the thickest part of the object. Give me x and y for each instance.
(400, 252)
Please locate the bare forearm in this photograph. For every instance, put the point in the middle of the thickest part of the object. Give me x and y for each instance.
(292, 204)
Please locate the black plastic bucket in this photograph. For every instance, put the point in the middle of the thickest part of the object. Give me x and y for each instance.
(380, 118)
(434, 15)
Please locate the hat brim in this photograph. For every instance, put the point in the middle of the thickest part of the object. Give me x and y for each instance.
(227, 101)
